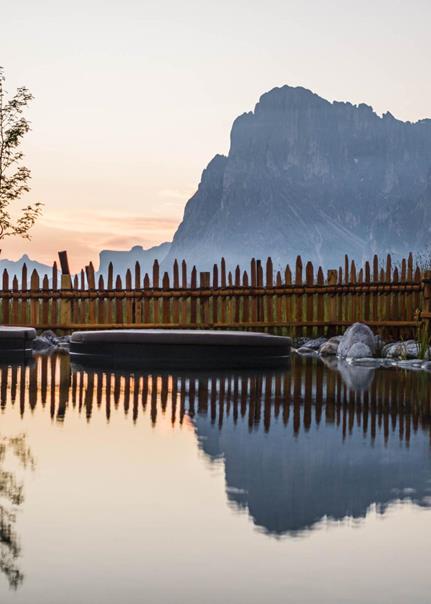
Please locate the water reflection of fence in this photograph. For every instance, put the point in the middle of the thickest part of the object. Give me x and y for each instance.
(307, 394)
(301, 300)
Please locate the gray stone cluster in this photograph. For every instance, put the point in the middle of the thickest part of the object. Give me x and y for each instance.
(48, 343)
(359, 346)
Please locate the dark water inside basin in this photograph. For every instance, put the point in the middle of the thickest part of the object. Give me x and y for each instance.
(309, 484)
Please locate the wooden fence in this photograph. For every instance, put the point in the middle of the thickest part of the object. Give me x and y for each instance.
(301, 301)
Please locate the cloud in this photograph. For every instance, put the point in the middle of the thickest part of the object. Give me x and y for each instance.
(103, 222)
(85, 234)
(176, 194)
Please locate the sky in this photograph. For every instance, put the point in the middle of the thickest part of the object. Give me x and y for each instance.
(133, 98)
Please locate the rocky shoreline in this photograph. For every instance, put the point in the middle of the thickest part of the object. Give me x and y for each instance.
(358, 346)
(361, 347)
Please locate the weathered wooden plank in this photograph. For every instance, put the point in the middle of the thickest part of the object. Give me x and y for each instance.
(129, 303)
(309, 280)
(223, 301)
(34, 304)
(223, 273)
(183, 300)
(64, 262)
(214, 300)
(320, 304)
(237, 300)
(253, 281)
(176, 285)
(278, 299)
(119, 318)
(45, 301)
(352, 297)
(156, 285)
(91, 281)
(146, 303)
(5, 298)
(246, 302)
(360, 298)
(193, 301)
(299, 297)
(166, 302)
(288, 298)
(15, 302)
(332, 302)
(388, 296)
(137, 309)
(375, 299)
(101, 306)
(23, 305)
(367, 297)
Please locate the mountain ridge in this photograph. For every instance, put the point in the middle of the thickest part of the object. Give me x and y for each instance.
(308, 176)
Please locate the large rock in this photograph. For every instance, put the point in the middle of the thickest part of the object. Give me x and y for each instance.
(358, 341)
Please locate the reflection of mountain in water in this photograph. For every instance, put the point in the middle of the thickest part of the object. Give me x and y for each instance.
(289, 483)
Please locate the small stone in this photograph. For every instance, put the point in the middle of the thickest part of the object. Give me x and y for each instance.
(367, 362)
(41, 344)
(330, 347)
(305, 350)
(49, 335)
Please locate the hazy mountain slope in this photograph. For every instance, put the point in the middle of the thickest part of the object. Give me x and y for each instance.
(14, 268)
(306, 176)
(122, 260)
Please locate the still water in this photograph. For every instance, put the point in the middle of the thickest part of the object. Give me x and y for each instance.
(308, 485)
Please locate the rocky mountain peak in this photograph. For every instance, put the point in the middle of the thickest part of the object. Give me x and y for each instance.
(311, 177)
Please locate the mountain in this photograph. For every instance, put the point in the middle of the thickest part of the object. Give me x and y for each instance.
(121, 261)
(14, 268)
(311, 177)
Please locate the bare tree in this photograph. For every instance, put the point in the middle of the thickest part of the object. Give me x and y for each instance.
(14, 177)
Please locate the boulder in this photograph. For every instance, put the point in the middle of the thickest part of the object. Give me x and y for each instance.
(409, 349)
(358, 339)
(314, 344)
(330, 347)
(305, 350)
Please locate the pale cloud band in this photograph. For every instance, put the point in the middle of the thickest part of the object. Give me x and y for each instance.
(85, 234)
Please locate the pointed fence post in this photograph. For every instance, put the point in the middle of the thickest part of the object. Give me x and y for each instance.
(426, 284)
(332, 310)
(66, 285)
